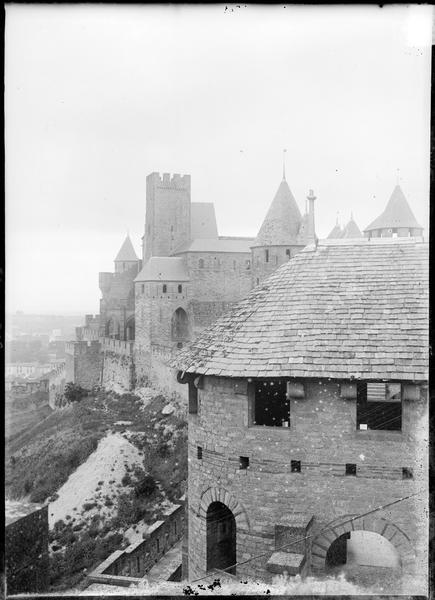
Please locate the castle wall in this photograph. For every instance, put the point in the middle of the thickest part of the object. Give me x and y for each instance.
(83, 363)
(117, 364)
(324, 438)
(262, 268)
(26, 553)
(56, 386)
(163, 376)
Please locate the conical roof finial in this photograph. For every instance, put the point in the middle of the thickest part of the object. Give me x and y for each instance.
(283, 164)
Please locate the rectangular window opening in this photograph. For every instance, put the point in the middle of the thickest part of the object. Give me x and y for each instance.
(193, 399)
(350, 469)
(295, 466)
(379, 406)
(271, 405)
(407, 473)
(199, 452)
(267, 255)
(243, 462)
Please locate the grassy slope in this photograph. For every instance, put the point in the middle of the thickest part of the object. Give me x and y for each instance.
(40, 460)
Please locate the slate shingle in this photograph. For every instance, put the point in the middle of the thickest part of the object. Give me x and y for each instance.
(341, 310)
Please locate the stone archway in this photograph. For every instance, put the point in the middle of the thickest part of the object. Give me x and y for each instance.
(130, 329)
(218, 494)
(180, 326)
(221, 533)
(348, 523)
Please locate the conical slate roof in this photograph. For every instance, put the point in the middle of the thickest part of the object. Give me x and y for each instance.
(397, 213)
(281, 225)
(351, 231)
(335, 233)
(346, 308)
(126, 252)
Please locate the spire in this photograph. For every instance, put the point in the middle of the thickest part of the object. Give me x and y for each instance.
(126, 252)
(281, 224)
(283, 164)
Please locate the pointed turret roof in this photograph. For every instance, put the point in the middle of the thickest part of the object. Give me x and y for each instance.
(397, 213)
(351, 231)
(283, 219)
(335, 233)
(126, 252)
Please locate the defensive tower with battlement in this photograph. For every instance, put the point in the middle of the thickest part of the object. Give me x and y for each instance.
(167, 218)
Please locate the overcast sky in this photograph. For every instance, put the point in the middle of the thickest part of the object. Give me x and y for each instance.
(98, 96)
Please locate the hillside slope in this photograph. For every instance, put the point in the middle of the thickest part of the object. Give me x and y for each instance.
(103, 465)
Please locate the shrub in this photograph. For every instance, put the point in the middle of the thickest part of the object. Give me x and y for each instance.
(146, 486)
(108, 501)
(73, 392)
(89, 505)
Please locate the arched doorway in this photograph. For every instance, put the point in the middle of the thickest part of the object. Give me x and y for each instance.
(221, 537)
(180, 326)
(112, 328)
(130, 329)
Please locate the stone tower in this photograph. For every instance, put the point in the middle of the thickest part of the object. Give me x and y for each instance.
(397, 220)
(126, 257)
(167, 218)
(306, 423)
(283, 233)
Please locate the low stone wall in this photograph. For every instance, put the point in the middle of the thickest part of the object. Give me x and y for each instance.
(125, 567)
(26, 552)
(56, 386)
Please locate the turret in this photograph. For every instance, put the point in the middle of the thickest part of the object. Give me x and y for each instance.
(126, 257)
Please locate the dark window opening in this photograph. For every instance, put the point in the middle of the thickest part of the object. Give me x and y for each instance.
(379, 406)
(258, 281)
(276, 259)
(143, 288)
(350, 469)
(193, 399)
(248, 264)
(271, 405)
(165, 288)
(295, 466)
(243, 462)
(407, 473)
(199, 452)
(288, 252)
(175, 527)
(138, 563)
(267, 255)
(180, 289)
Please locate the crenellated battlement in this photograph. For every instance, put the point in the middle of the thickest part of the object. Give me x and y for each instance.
(76, 348)
(118, 346)
(176, 182)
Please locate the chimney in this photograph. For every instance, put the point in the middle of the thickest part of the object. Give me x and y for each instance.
(311, 233)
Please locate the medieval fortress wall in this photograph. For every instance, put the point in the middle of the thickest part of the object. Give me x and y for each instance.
(187, 277)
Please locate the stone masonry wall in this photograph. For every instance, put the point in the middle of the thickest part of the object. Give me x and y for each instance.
(138, 558)
(167, 214)
(324, 438)
(277, 257)
(83, 363)
(117, 364)
(26, 554)
(56, 385)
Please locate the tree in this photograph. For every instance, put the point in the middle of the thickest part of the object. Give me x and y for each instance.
(73, 392)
